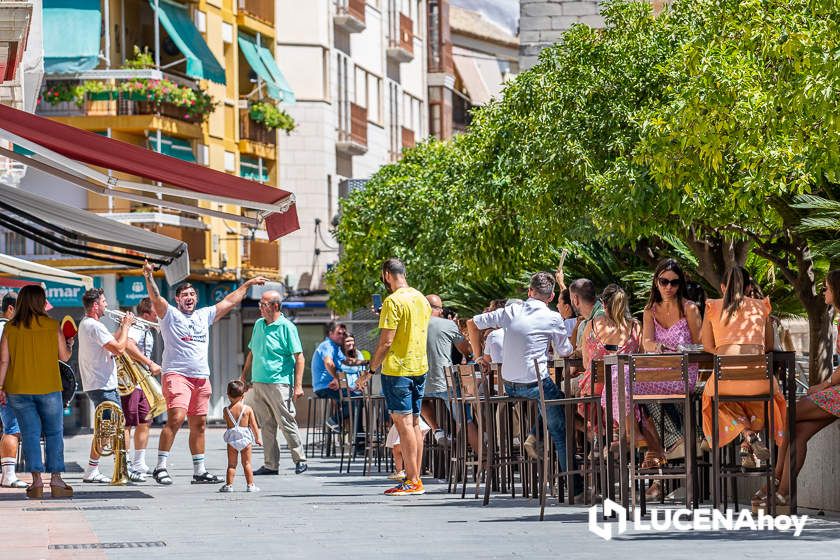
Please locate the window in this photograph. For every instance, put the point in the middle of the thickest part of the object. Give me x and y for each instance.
(394, 124)
(361, 89)
(374, 92)
(412, 117)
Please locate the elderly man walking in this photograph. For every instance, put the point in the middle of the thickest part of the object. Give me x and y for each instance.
(403, 324)
(276, 365)
(529, 329)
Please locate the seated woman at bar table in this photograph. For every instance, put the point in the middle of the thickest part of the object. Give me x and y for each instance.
(615, 332)
(818, 410)
(739, 325)
(670, 320)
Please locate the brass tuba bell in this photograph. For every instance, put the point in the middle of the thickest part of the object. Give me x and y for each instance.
(109, 439)
(130, 375)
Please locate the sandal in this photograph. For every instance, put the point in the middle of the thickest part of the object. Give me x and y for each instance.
(747, 457)
(35, 492)
(57, 491)
(206, 478)
(782, 506)
(653, 461)
(98, 478)
(758, 448)
(161, 476)
(654, 492)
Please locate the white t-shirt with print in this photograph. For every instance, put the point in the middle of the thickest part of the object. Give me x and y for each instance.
(186, 341)
(144, 338)
(97, 366)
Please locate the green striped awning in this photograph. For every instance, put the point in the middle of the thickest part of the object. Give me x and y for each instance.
(262, 62)
(201, 63)
(249, 168)
(174, 147)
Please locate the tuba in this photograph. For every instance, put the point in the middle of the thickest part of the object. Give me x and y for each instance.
(109, 439)
(130, 375)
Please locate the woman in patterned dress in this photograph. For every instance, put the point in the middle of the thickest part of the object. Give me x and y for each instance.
(670, 320)
(819, 409)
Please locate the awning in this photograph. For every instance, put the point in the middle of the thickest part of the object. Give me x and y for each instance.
(72, 31)
(480, 74)
(173, 147)
(262, 62)
(77, 232)
(60, 148)
(28, 269)
(200, 60)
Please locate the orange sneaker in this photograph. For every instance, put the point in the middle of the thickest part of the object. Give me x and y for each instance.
(407, 488)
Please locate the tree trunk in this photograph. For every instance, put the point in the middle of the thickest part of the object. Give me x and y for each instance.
(819, 341)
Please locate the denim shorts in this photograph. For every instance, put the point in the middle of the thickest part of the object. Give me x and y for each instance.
(403, 394)
(10, 423)
(99, 396)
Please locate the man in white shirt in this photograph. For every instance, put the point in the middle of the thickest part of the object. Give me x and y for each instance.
(97, 366)
(186, 368)
(141, 342)
(529, 329)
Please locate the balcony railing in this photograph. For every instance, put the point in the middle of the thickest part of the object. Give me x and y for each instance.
(352, 132)
(350, 15)
(262, 10)
(407, 138)
(250, 129)
(401, 44)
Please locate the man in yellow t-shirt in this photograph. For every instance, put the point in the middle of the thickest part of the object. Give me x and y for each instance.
(403, 324)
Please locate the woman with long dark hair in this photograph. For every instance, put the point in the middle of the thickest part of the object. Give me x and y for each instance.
(818, 410)
(738, 325)
(670, 320)
(30, 382)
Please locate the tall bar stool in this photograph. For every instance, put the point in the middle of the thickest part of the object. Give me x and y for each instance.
(743, 368)
(504, 456)
(354, 406)
(662, 368)
(550, 468)
(458, 448)
(470, 395)
(318, 410)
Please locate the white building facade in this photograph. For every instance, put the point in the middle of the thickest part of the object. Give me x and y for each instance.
(358, 70)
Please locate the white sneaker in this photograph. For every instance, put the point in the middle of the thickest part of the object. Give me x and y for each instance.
(226, 488)
(141, 468)
(397, 475)
(252, 488)
(333, 426)
(12, 483)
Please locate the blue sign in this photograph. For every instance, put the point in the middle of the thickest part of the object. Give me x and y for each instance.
(131, 289)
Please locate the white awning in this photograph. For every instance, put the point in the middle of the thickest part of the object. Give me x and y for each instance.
(480, 74)
(28, 269)
(78, 232)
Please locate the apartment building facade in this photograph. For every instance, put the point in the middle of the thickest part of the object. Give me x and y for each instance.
(358, 70)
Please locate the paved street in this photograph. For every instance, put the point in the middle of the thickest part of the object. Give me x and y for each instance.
(326, 515)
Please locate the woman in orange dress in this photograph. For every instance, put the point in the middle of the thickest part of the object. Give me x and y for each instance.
(739, 325)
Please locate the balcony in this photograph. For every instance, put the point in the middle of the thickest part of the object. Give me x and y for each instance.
(254, 131)
(352, 132)
(401, 44)
(350, 15)
(262, 10)
(407, 138)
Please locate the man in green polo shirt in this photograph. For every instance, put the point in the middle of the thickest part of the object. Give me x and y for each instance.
(275, 360)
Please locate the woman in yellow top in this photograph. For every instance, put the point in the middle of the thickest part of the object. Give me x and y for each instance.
(738, 325)
(31, 346)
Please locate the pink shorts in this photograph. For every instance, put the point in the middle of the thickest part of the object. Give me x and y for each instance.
(190, 393)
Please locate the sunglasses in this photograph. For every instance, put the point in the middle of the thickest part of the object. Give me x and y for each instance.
(665, 282)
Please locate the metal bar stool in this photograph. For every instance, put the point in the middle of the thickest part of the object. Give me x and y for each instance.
(662, 368)
(743, 368)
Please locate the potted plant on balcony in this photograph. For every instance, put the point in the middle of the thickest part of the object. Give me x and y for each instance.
(270, 116)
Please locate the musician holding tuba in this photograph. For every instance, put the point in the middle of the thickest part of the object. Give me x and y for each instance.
(136, 407)
(98, 348)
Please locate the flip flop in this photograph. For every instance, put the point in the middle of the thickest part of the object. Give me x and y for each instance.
(162, 477)
(206, 478)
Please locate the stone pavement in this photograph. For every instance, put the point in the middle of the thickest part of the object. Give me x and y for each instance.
(322, 514)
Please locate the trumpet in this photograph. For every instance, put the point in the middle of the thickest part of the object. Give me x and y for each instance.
(117, 317)
(109, 439)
